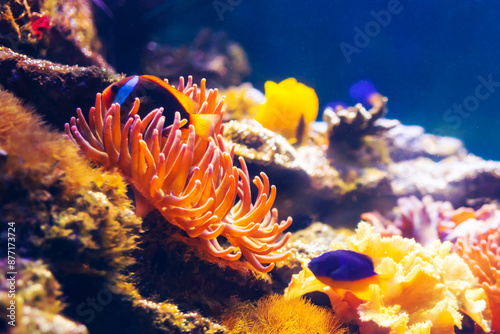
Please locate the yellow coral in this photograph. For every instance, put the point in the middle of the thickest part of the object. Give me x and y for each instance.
(276, 315)
(422, 289)
(289, 109)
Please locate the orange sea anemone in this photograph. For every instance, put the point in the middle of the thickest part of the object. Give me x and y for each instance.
(191, 181)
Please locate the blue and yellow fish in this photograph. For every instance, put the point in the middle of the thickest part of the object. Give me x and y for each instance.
(348, 270)
(156, 93)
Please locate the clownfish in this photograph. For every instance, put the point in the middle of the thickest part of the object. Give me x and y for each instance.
(155, 93)
(345, 269)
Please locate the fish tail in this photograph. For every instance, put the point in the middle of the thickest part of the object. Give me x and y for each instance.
(204, 124)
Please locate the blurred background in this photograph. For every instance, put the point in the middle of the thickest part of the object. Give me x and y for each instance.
(436, 61)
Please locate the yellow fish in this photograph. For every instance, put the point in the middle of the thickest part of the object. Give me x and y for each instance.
(289, 109)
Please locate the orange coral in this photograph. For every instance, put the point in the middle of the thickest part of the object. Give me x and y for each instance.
(191, 181)
(275, 315)
(482, 254)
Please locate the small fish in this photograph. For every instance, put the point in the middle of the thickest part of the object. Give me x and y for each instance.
(289, 109)
(463, 214)
(365, 92)
(156, 93)
(345, 269)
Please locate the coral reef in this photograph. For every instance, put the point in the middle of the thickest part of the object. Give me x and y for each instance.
(88, 264)
(419, 289)
(275, 314)
(191, 181)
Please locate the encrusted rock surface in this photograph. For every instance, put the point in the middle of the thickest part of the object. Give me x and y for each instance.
(61, 31)
(55, 90)
(336, 181)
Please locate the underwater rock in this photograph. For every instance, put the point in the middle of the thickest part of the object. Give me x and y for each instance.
(65, 210)
(173, 266)
(38, 300)
(52, 88)
(167, 318)
(55, 30)
(456, 179)
(212, 55)
(353, 122)
(242, 102)
(310, 184)
(332, 183)
(411, 142)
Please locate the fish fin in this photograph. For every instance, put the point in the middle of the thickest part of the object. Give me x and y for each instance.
(204, 124)
(189, 105)
(300, 132)
(184, 134)
(360, 288)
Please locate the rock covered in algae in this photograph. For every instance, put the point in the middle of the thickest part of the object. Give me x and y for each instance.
(56, 30)
(64, 209)
(38, 300)
(51, 87)
(212, 55)
(174, 266)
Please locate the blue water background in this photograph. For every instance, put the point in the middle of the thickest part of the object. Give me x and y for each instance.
(427, 59)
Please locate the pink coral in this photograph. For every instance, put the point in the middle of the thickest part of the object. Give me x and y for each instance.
(428, 220)
(418, 219)
(191, 181)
